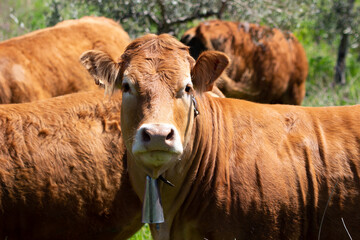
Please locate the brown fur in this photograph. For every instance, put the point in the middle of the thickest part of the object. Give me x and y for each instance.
(248, 170)
(62, 172)
(267, 65)
(45, 63)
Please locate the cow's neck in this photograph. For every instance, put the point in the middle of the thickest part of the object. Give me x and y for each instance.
(199, 172)
(209, 137)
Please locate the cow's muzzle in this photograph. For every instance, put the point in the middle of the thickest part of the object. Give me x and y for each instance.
(156, 146)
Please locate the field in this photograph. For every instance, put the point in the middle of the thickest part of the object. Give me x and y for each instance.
(20, 16)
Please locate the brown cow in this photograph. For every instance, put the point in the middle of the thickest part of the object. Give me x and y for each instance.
(45, 63)
(241, 170)
(62, 173)
(267, 65)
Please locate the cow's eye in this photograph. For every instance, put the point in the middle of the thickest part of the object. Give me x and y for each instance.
(188, 88)
(125, 87)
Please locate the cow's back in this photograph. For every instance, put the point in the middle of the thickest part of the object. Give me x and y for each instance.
(288, 163)
(269, 62)
(45, 63)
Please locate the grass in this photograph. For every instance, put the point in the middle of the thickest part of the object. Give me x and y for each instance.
(325, 94)
(143, 234)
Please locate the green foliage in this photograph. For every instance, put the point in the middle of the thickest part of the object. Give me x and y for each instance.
(143, 234)
(283, 14)
(136, 17)
(320, 89)
(337, 17)
(321, 94)
(19, 17)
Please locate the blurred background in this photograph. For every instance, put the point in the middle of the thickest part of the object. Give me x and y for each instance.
(329, 30)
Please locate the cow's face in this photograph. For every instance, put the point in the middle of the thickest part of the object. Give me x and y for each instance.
(158, 79)
(157, 111)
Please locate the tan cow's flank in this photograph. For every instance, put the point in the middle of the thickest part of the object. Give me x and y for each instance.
(45, 63)
(267, 64)
(241, 170)
(63, 172)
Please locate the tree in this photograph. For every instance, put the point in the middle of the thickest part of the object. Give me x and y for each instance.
(139, 17)
(173, 16)
(345, 22)
(340, 22)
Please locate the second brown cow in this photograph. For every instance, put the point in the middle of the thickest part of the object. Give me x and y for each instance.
(45, 63)
(267, 65)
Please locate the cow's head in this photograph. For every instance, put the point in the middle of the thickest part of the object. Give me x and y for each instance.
(209, 35)
(158, 79)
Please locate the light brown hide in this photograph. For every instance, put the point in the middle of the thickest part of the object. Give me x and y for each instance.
(45, 63)
(63, 170)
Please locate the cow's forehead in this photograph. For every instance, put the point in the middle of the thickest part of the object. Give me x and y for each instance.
(172, 70)
(153, 61)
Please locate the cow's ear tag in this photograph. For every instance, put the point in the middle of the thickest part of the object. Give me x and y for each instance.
(196, 111)
(152, 211)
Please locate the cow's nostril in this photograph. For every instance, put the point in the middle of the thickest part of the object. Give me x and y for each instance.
(145, 136)
(170, 135)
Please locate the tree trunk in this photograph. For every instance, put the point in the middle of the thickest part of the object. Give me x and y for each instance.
(341, 60)
(343, 46)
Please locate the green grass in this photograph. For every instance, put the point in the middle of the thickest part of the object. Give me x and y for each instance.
(143, 234)
(325, 94)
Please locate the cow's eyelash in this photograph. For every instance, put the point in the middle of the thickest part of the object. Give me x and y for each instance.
(188, 88)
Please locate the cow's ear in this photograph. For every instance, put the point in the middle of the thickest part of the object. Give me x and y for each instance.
(103, 69)
(209, 66)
